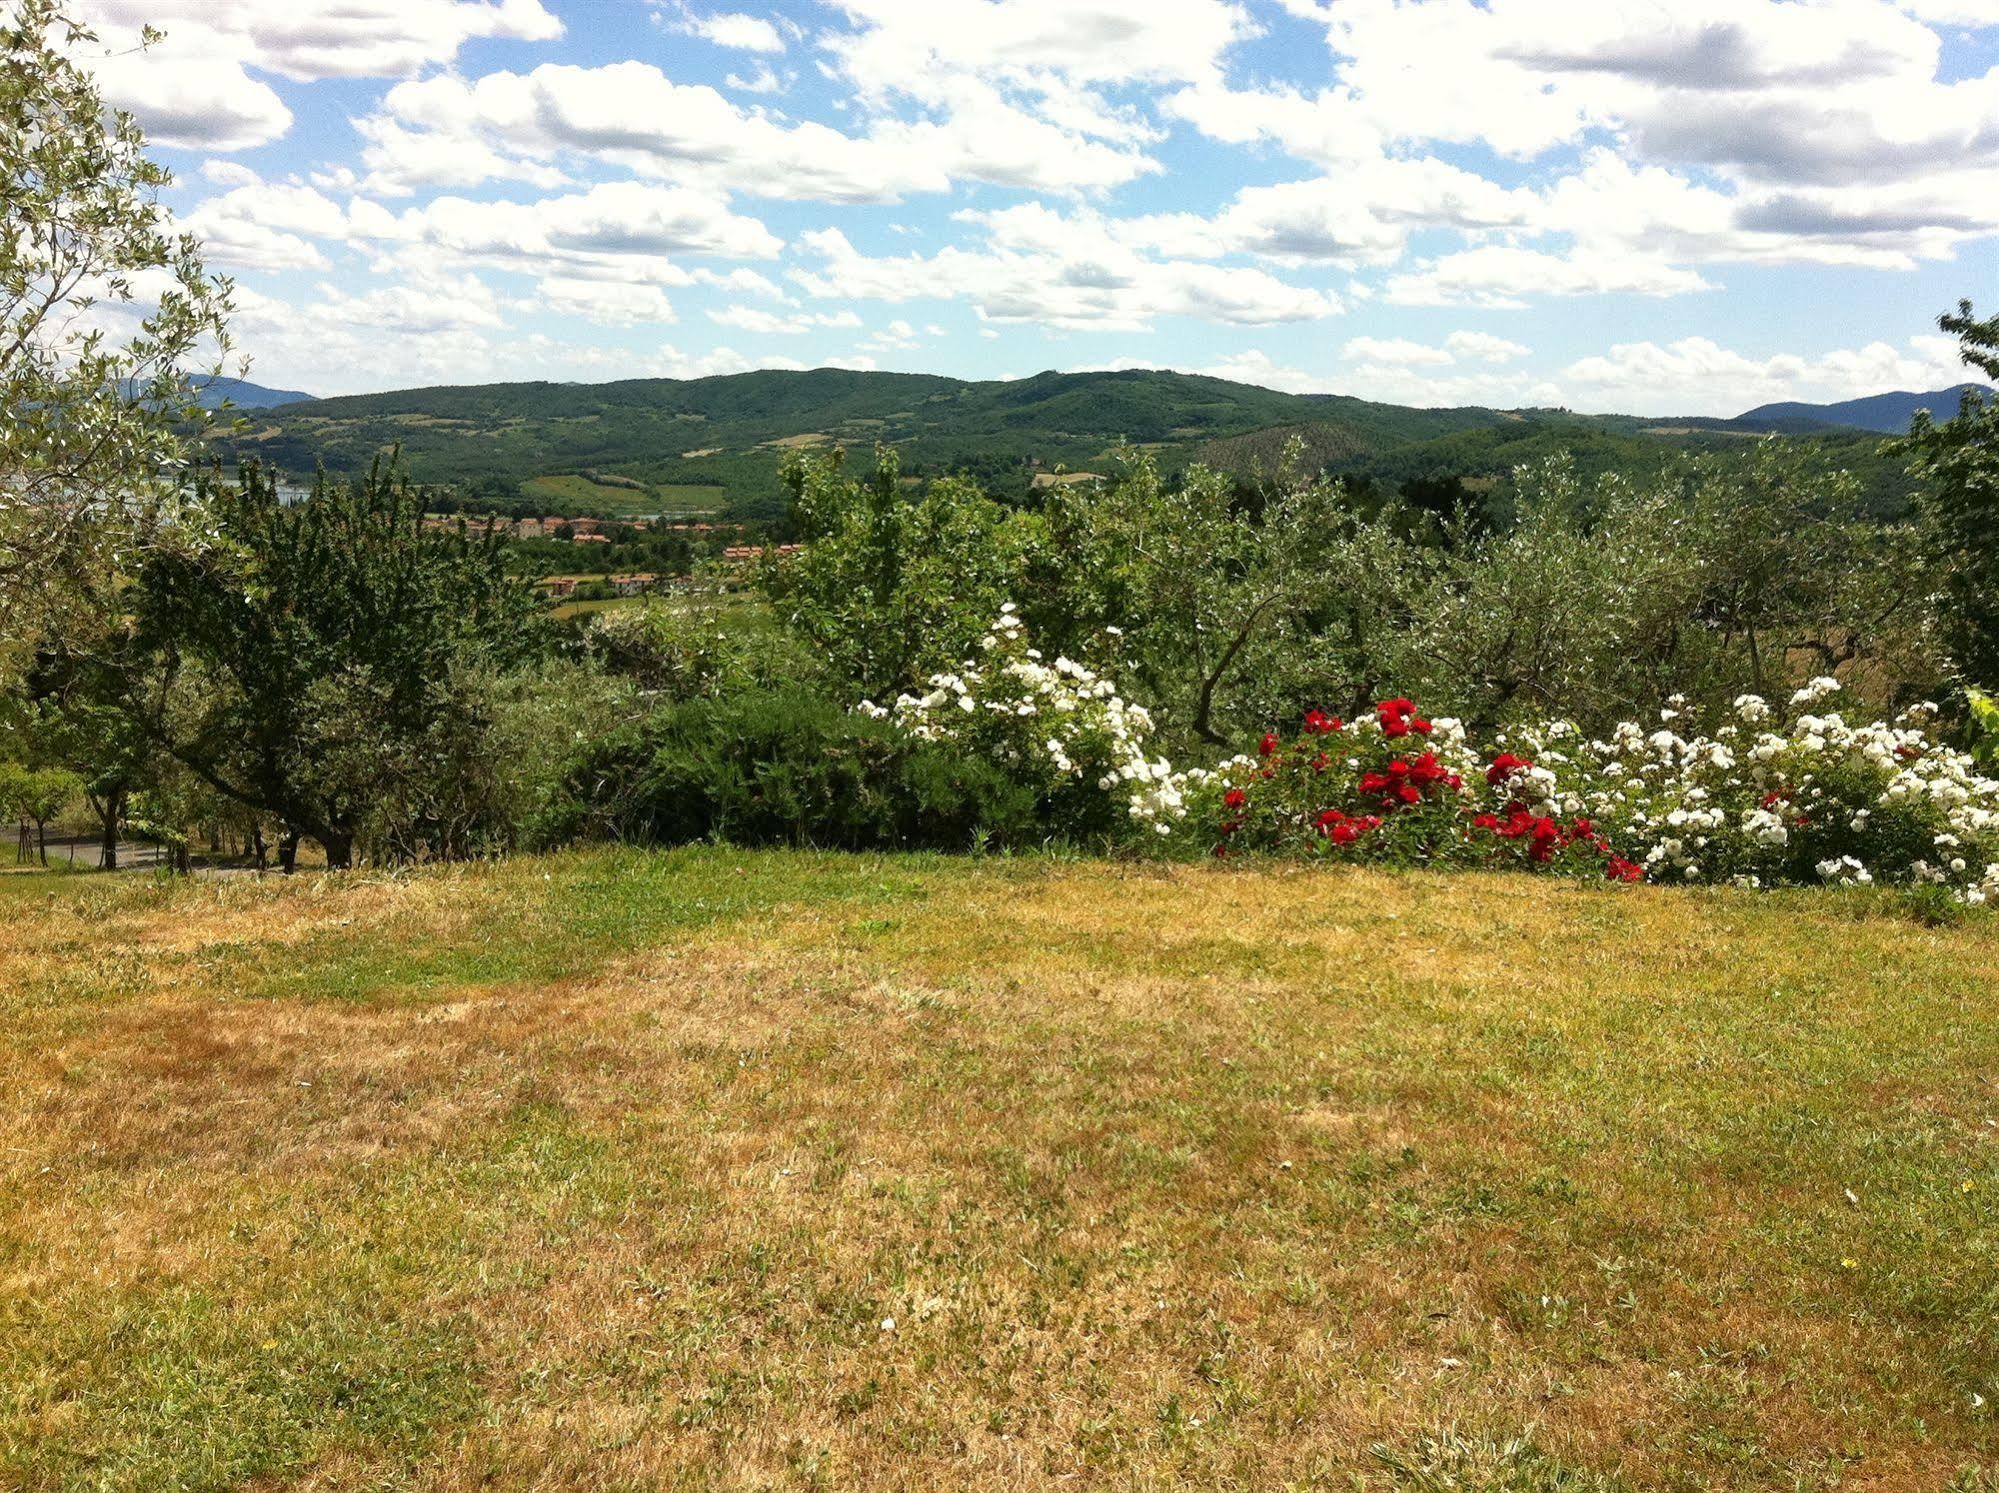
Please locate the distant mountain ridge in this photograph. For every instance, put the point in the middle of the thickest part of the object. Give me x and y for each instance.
(1888, 413)
(212, 390)
(716, 442)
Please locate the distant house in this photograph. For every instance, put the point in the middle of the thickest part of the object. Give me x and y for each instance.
(559, 586)
(593, 538)
(632, 585)
(743, 554)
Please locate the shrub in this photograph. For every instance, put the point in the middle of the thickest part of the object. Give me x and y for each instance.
(1392, 786)
(786, 767)
(1758, 801)
(1059, 729)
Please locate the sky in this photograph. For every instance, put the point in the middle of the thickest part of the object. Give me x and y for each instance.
(1649, 206)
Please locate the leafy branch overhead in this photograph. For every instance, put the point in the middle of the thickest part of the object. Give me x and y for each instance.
(107, 317)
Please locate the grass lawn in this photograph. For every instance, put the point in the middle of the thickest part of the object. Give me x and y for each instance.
(718, 1169)
(563, 611)
(615, 500)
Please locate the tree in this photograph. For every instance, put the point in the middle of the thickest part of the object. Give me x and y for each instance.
(102, 312)
(1202, 585)
(313, 657)
(37, 795)
(83, 709)
(1958, 465)
(892, 584)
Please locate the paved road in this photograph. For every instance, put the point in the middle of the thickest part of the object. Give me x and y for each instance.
(84, 850)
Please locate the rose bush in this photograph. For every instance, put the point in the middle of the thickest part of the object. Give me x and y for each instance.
(1763, 798)
(1059, 727)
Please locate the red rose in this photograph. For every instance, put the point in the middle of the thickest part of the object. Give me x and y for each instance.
(1235, 798)
(1504, 766)
(1268, 745)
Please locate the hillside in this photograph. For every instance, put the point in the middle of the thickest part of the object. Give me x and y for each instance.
(796, 1170)
(1887, 413)
(648, 445)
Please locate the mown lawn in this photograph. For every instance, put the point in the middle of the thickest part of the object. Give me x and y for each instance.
(713, 1169)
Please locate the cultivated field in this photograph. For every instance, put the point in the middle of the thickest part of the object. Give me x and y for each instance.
(623, 498)
(734, 1170)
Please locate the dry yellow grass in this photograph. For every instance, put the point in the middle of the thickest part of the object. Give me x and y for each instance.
(729, 1170)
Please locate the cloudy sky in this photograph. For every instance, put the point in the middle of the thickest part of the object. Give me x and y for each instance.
(1660, 206)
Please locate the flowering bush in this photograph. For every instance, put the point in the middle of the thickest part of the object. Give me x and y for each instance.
(1060, 726)
(1391, 785)
(1803, 796)
(1761, 800)
(1764, 798)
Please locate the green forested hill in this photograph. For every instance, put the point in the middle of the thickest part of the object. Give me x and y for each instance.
(656, 444)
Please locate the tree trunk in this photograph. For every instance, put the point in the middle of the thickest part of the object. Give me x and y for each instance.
(288, 852)
(263, 851)
(42, 840)
(339, 850)
(112, 813)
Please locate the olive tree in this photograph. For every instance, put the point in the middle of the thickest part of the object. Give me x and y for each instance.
(1957, 463)
(1203, 582)
(107, 319)
(315, 658)
(893, 583)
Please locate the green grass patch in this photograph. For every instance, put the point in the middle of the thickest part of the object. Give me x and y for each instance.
(718, 1168)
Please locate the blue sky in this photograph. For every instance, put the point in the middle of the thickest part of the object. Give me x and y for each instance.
(1660, 206)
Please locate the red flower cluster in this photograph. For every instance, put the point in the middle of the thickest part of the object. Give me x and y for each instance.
(1405, 779)
(1545, 836)
(1344, 829)
(1285, 796)
(1399, 718)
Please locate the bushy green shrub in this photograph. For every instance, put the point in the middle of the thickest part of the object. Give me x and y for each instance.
(790, 767)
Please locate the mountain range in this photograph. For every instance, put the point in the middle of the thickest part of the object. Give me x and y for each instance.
(648, 445)
(1888, 413)
(212, 390)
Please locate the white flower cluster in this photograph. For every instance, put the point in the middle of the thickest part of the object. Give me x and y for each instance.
(1058, 719)
(1760, 801)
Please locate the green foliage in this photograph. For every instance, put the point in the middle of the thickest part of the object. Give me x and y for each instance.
(36, 795)
(681, 653)
(792, 768)
(88, 421)
(1957, 464)
(1205, 588)
(83, 707)
(1985, 728)
(1598, 600)
(893, 584)
(315, 658)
